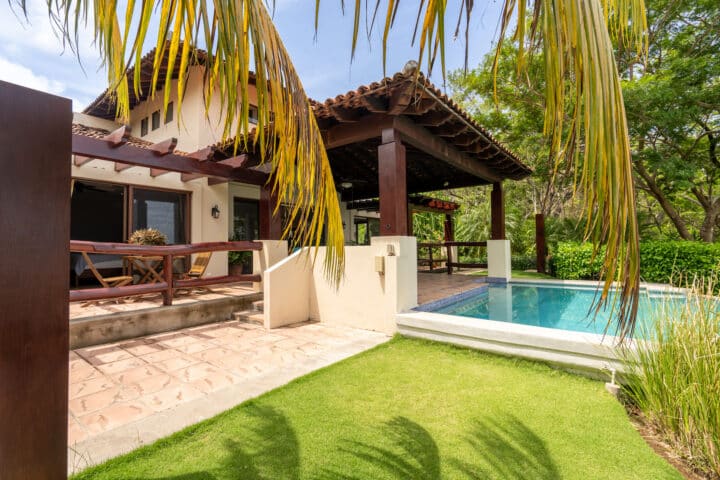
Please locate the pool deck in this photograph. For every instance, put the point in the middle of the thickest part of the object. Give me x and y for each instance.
(434, 286)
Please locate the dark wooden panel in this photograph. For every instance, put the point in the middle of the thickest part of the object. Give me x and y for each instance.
(393, 188)
(270, 224)
(540, 246)
(497, 212)
(35, 141)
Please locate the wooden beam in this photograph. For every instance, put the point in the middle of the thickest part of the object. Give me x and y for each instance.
(422, 139)
(118, 137)
(187, 177)
(497, 212)
(400, 98)
(35, 225)
(143, 157)
(119, 167)
(421, 107)
(217, 181)
(434, 118)
(374, 103)
(392, 181)
(451, 130)
(346, 115)
(204, 154)
(79, 160)
(369, 126)
(239, 161)
(156, 172)
(165, 147)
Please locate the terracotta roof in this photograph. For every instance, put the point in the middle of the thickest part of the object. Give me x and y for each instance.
(94, 132)
(421, 93)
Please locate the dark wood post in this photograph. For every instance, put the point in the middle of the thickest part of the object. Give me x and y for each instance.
(270, 225)
(540, 246)
(497, 212)
(449, 237)
(168, 277)
(35, 143)
(393, 185)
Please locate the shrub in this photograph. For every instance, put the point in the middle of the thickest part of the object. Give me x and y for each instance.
(148, 236)
(660, 262)
(674, 377)
(523, 262)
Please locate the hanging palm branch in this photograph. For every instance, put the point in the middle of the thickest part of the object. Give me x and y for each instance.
(238, 35)
(576, 36)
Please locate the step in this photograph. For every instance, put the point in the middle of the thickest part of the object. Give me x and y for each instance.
(259, 305)
(250, 316)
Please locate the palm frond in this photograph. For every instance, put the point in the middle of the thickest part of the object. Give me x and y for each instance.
(237, 35)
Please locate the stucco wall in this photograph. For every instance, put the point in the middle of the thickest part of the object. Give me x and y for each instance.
(363, 299)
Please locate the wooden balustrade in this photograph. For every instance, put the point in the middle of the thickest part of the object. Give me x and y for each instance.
(168, 253)
(450, 262)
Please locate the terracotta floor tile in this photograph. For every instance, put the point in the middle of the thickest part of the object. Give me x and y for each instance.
(196, 347)
(155, 383)
(195, 372)
(161, 355)
(88, 387)
(214, 381)
(213, 353)
(171, 397)
(121, 366)
(180, 341)
(114, 416)
(135, 375)
(76, 433)
(176, 363)
(83, 373)
(230, 361)
(142, 348)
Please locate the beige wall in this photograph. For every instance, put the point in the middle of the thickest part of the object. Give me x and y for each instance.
(364, 298)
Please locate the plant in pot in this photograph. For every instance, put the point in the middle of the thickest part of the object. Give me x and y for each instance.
(148, 236)
(239, 263)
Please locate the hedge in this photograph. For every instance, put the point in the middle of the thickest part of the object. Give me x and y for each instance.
(659, 261)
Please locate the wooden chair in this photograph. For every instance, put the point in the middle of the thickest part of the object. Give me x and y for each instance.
(197, 270)
(106, 282)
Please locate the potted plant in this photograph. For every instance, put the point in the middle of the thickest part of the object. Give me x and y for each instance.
(239, 263)
(148, 236)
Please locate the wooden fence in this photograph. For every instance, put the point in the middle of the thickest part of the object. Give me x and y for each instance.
(450, 262)
(168, 284)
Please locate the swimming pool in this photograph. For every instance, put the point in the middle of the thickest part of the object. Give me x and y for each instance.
(562, 307)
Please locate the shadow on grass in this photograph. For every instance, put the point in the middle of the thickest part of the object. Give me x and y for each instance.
(506, 448)
(413, 454)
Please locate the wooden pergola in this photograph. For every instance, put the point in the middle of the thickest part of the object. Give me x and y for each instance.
(402, 136)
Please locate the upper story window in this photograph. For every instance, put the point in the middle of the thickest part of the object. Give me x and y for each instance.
(169, 113)
(253, 115)
(156, 120)
(144, 127)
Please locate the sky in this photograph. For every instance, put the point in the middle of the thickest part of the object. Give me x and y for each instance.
(31, 54)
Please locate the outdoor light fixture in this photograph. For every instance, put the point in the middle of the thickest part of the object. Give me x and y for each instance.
(215, 211)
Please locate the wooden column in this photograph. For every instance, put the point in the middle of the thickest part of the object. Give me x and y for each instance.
(449, 228)
(497, 212)
(35, 156)
(393, 185)
(540, 246)
(270, 225)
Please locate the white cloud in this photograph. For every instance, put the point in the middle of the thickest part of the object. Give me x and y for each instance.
(16, 73)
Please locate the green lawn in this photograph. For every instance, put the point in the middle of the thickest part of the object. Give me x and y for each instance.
(410, 409)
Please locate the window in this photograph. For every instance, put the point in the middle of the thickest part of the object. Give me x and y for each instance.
(169, 113)
(97, 212)
(365, 229)
(253, 115)
(165, 211)
(156, 120)
(246, 219)
(144, 127)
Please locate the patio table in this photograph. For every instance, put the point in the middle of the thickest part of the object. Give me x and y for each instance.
(148, 266)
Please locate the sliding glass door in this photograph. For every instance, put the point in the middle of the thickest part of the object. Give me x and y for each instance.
(162, 210)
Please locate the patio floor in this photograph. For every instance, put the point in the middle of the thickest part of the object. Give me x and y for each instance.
(130, 393)
(434, 286)
(77, 310)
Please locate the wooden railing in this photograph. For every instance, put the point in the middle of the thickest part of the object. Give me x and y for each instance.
(168, 253)
(449, 260)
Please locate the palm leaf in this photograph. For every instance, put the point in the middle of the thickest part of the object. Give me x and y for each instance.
(237, 34)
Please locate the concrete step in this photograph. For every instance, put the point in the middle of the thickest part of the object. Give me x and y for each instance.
(259, 305)
(250, 316)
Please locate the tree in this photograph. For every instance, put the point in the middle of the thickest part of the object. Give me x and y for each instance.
(673, 107)
(575, 36)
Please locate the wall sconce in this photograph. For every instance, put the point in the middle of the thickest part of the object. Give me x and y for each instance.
(215, 211)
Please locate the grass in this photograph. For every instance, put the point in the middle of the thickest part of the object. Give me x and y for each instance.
(410, 409)
(522, 274)
(675, 379)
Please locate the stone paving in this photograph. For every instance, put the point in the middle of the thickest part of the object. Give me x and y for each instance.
(117, 390)
(434, 286)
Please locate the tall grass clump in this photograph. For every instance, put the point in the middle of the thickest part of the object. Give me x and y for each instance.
(674, 375)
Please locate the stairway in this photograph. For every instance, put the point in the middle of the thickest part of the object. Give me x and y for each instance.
(254, 315)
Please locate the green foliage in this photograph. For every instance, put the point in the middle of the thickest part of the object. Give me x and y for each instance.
(661, 262)
(674, 377)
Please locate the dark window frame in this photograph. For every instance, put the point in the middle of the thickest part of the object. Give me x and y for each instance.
(144, 127)
(156, 120)
(169, 113)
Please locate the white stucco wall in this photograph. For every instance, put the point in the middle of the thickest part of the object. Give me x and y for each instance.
(363, 299)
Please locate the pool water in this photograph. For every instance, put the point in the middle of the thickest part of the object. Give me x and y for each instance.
(559, 307)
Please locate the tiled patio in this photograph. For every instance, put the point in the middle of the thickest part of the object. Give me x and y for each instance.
(434, 286)
(77, 310)
(181, 377)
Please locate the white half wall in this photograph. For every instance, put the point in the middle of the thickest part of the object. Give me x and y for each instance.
(499, 264)
(297, 290)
